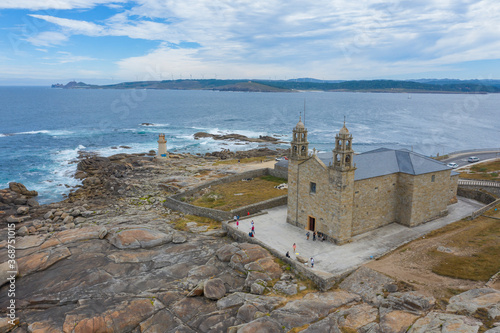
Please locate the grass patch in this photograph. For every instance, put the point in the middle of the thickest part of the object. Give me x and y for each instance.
(483, 171)
(180, 223)
(439, 158)
(241, 193)
(479, 237)
(244, 160)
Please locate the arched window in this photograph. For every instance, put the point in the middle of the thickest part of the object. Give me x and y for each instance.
(295, 148)
(348, 159)
(337, 158)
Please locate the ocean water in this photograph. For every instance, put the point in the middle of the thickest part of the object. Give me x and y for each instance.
(42, 129)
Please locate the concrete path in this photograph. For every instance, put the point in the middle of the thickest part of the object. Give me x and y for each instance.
(273, 230)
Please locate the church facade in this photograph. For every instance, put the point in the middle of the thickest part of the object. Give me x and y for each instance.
(341, 195)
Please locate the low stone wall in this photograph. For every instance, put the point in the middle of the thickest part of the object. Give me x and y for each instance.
(476, 193)
(186, 208)
(257, 207)
(322, 280)
(175, 202)
(484, 209)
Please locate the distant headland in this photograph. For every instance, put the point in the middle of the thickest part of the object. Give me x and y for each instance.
(306, 84)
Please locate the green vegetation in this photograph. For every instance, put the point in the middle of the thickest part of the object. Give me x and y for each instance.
(242, 160)
(483, 171)
(478, 241)
(241, 193)
(180, 224)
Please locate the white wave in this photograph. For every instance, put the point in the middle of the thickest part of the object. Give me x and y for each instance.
(47, 132)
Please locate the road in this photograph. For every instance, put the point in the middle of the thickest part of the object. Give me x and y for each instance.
(461, 159)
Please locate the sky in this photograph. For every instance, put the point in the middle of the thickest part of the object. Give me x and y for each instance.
(102, 41)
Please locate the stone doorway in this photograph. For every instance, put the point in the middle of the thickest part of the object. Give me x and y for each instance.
(311, 223)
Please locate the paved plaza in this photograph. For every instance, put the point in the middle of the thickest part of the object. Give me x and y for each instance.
(272, 229)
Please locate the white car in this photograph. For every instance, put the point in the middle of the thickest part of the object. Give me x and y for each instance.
(452, 165)
(472, 159)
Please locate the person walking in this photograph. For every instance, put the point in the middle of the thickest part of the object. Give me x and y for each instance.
(237, 224)
(253, 229)
(314, 236)
(312, 262)
(294, 247)
(252, 223)
(307, 235)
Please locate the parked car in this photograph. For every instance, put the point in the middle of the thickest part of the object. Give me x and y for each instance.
(452, 165)
(472, 159)
(281, 158)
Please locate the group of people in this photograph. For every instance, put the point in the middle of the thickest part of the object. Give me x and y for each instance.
(318, 235)
(295, 249)
(252, 225)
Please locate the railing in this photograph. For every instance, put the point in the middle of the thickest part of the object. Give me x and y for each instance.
(468, 182)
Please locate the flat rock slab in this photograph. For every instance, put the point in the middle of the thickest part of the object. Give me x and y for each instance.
(138, 238)
(367, 283)
(41, 260)
(27, 242)
(238, 299)
(214, 289)
(70, 236)
(436, 322)
(471, 300)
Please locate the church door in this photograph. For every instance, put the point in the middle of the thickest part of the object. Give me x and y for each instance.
(312, 223)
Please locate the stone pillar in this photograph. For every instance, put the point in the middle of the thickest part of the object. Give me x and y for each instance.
(162, 147)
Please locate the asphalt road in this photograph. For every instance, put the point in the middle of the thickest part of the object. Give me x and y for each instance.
(461, 159)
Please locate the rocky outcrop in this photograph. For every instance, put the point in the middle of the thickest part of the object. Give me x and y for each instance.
(21, 189)
(235, 137)
(471, 301)
(436, 322)
(138, 238)
(367, 283)
(214, 289)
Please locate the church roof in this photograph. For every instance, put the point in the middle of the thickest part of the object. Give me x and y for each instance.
(383, 161)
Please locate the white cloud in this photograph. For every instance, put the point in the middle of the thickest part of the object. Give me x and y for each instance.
(74, 26)
(54, 4)
(48, 38)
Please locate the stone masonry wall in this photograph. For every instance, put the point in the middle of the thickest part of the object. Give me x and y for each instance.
(430, 199)
(174, 202)
(375, 203)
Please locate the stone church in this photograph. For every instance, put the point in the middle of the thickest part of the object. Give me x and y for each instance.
(341, 195)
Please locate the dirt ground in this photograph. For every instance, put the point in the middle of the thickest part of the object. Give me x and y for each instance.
(412, 263)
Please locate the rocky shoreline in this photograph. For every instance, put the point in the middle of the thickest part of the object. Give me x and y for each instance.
(112, 258)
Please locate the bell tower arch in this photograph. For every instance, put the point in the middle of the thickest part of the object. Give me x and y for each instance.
(299, 145)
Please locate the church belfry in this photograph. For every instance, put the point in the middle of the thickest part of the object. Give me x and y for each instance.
(343, 153)
(299, 145)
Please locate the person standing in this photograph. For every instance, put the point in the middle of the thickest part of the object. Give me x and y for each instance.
(237, 224)
(294, 247)
(312, 262)
(252, 223)
(314, 236)
(253, 230)
(307, 235)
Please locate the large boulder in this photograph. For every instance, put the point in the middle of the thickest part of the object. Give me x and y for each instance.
(411, 301)
(226, 252)
(470, 301)
(138, 238)
(397, 321)
(21, 189)
(367, 283)
(214, 289)
(436, 322)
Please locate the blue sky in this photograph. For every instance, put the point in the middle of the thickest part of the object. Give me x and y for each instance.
(101, 41)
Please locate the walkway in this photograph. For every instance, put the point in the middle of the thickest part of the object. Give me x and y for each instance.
(478, 183)
(273, 230)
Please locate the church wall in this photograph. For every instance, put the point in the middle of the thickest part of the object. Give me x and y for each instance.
(405, 198)
(375, 203)
(453, 189)
(430, 199)
(292, 192)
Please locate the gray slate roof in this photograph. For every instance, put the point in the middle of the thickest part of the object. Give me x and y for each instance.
(383, 161)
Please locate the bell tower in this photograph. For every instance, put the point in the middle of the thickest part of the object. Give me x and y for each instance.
(341, 175)
(343, 153)
(299, 145)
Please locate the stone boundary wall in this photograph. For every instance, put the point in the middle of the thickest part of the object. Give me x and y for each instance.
(495, 191)
(280, 172)
(484, 209)
(174, 202)
(256, 207)
(475, 193)
(322, 282)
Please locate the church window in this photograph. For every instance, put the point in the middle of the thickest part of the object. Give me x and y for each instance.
(348, 159)
(312, 187)
(303, 148)
(433, 178)
(295, 148)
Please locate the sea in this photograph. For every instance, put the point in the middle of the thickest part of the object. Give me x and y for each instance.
(42, 129)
